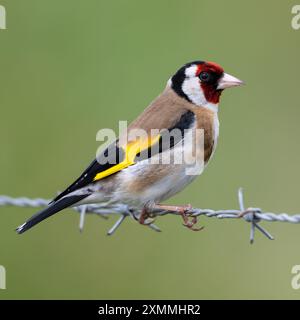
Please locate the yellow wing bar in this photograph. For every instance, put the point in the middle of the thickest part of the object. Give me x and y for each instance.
(131, 150)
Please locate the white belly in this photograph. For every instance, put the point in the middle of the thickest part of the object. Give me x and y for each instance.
(174, 177)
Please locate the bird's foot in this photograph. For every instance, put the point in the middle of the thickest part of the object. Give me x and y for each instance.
(189, 221)
(146, 218)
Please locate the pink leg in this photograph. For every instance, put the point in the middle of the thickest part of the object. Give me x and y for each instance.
(189, 223)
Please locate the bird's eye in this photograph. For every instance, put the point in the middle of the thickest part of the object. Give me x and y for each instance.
(204, 76)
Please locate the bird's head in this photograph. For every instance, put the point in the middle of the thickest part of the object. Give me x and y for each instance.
(202, 83)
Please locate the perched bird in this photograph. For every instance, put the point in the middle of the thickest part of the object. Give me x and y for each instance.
(190, 101)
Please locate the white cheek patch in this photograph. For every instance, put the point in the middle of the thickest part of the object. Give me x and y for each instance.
(192, 88)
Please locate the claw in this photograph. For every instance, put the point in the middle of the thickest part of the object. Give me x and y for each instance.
(189, 223)
(188, 220)
(145, 218)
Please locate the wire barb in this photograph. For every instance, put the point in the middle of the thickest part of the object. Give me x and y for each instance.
(112, 230)
(82, 218)
(252, 215)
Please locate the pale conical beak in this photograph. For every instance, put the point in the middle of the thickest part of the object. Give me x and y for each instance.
(228, 81)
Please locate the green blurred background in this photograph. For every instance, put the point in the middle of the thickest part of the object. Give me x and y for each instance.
(70, 68)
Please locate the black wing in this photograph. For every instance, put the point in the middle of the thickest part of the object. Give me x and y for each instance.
(94, 168)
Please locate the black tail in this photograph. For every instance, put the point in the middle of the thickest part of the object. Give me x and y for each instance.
(49, 211)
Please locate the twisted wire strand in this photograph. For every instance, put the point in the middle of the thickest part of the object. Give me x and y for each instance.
(251, 215)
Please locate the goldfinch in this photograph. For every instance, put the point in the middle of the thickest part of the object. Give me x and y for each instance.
(138, 176)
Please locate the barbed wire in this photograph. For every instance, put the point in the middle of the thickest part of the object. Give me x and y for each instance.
(251, 215)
